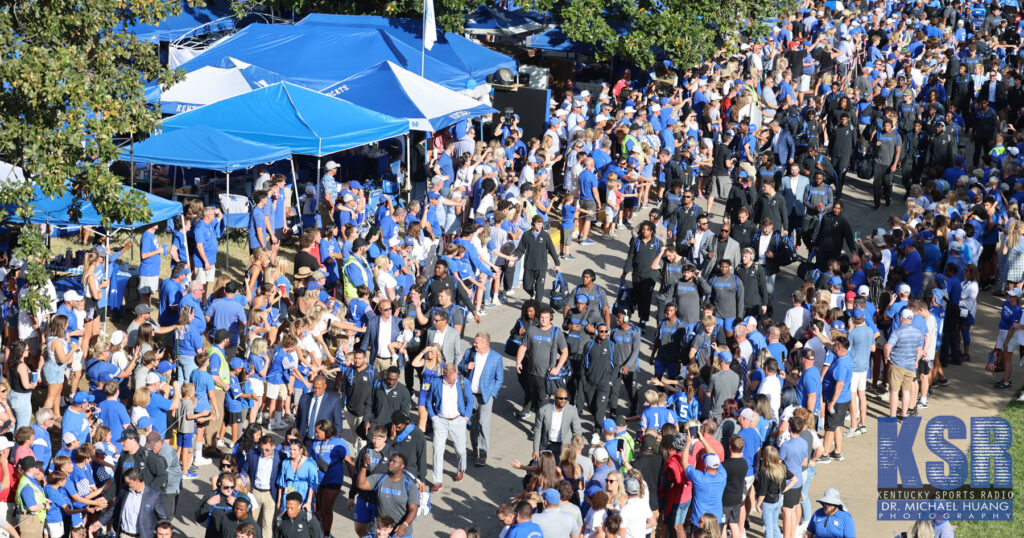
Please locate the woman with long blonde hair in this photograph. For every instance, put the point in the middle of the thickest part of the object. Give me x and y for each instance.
(1013, 251)
(616, 489)
(94, 286)
(772, 482)
(431, 360)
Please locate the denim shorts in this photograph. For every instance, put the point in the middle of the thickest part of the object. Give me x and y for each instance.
(53, 373)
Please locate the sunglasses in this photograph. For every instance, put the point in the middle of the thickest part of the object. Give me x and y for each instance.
(602, 332)
(561, 399)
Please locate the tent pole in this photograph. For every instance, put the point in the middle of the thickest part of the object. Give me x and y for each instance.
(227, 229)
(131, 169)
(150, 168)
(407, 182)
(317, 193)
(106, 271)
(295, 189)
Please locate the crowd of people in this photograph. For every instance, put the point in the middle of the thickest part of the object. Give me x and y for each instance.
(326, 373)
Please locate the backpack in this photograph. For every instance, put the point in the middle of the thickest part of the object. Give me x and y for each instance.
(514, 340)
(807, 271)
(559, 293)
(624, 298)
(784, 253)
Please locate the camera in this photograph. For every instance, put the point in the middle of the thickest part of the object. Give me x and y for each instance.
(507, 115)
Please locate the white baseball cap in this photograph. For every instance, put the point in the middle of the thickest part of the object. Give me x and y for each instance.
(907, 313)
(117, 338)
(331, 165)
(863, 291)
(152, 377)
(600, 454)
(72, 295)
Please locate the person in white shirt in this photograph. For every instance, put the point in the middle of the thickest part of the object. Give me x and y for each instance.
(637, 518)
(771, 386)
(797, 317)
(450, 406)
(486, 374)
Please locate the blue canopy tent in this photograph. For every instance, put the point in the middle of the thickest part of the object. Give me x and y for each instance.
(317, 56)
(206, 148)
(55, 210)
(203, 147)
(216, 18)
(389, 89)
(473, 59)
(487, 20)
(285, 115)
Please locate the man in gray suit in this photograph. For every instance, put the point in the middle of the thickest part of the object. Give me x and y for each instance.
(723, 248)
(445, 336)
(556, 423)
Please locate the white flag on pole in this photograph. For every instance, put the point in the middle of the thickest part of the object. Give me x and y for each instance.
(429, 26)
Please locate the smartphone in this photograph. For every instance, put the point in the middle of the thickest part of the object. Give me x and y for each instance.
(693, 431)
(856, 236)
(621, 445)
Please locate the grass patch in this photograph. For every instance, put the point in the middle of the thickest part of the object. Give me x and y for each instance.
(1014, 413)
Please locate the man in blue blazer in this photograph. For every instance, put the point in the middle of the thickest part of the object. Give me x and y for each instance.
(151, 508)
(262, 465)
(375, 344)
(314, 407)
(782, 143)
(484, 369)
(449, 406)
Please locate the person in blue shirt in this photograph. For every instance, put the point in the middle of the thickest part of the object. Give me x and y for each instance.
(912, 265)
(656, 414)
(862, 345)
(159, 404)
(205, 387)
(60, 503)
(236, 398)
(113, 413)
(523, 527)
(172, 290)
(835, 394)
(708, 486)
(259, 232)
(205, 233)
(831, 520)
(150, 252)
(590, 199)
(1009, 324)
(332, 455)
(75, 420)
(226, 313)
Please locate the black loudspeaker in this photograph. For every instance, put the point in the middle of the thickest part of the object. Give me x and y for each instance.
(531, 105)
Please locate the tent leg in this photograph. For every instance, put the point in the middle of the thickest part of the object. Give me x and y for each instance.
(150, 179)
(106, 270)
(295, 189)
(407, 181)
(227, 228)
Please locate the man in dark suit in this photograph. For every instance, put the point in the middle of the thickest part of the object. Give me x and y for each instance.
(137, 510)
(549, 435)
(375, 344)
(262, 465)
(314, 407)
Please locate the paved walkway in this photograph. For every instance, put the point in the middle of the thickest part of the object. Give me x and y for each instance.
(472, 501)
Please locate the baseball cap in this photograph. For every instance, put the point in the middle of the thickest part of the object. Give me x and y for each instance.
(748, 413)
(903, 289)
(236, 363)
(743, 173)
(433, 195)
(858, 313)
(940, 296)
(926, 235)
(582, 298)
(317, 275)
(551, 496)
(348, 197)
(145, 423)
(629, 110)
(594, 488)
(908, 313)
(632, 486)
(838, 325)
(117, 338)
(711, 459)
(29, 462)
(906, 243)
(72, 295)
(835, 281)
(608, 425)
(152, 377)
(749, 320)
(599, 454)
(141, 309)
(649, 443)
(331, 165)
(164, 366)
(82, 397)
(850, 296)
(726, 356)
(863, 290)
(68, 438)
(355, 185)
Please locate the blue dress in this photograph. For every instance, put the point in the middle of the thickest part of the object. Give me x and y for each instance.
(428, 377)
(302, 481)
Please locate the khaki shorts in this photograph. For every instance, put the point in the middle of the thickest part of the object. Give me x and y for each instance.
(257, 388)
(277, 391)
(859, 381)
(900, 378)
(205, 276)
(149, 284)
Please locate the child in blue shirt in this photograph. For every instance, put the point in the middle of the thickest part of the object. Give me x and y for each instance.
(236, 398)
(60, 503)
(358, 307)
(656, 414)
